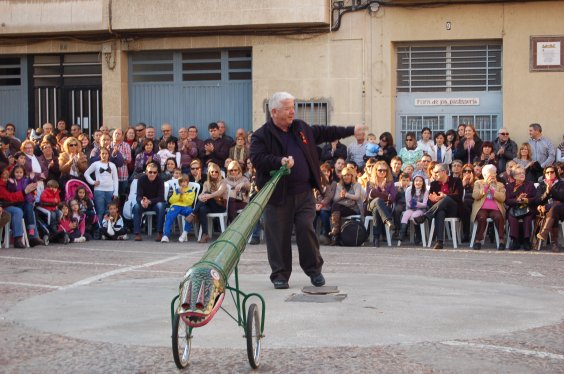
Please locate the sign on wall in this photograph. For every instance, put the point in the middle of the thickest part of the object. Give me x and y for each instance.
(431, 101)
(547, 53)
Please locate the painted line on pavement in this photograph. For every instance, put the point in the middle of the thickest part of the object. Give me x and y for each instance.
(528, 352)
(101, 276)
(63, 261)
(30, 285)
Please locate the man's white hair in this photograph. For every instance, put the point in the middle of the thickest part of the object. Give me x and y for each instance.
(275, 101)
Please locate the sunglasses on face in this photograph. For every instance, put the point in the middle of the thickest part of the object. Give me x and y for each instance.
(467, 171)
(151, 172)
(382, 170)
(213, 172)
(195, 168)
(73, 145)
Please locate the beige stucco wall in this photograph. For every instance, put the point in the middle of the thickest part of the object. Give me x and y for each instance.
(354, 68)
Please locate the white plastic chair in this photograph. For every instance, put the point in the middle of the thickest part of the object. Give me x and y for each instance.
(367, 220)
(475, 228)
(221, 216)
(5, 231)
(454, 234)
(151, 213)
(180, 218)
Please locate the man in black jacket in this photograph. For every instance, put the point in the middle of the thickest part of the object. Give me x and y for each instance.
(283, 140)
(445, 200)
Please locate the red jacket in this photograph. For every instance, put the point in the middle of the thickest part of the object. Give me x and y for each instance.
(8, 198)
(49, 199)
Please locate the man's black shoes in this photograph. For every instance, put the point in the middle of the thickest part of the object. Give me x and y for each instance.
(438, 244)
(281, 284)
(318, 280)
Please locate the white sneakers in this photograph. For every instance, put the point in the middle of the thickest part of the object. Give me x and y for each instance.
(184, 237)
(122, 237)
(165, 239)
(80, 239)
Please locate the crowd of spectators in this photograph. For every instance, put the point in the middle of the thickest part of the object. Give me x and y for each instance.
(433, 177)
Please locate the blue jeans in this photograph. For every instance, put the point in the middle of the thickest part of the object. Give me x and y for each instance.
(16, 222)
(171, 215)
(101, 201)
(158, 208)
(29, 218)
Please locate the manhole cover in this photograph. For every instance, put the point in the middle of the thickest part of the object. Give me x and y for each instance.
(320, 290)
(322, 298)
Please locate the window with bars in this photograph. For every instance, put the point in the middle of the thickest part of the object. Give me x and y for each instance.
(486, 125)
(449, 68)
(67, 70)
(10, 71)
(311, 112)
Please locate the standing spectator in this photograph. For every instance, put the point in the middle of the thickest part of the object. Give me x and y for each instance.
(187, 148)
(489, 196)
(106, 183)
(333, 150)
(400, 202)
(62, 126)
(357, 149)
(72, 162)
(425, 142)
(15, 143)
(140, 131)
(445, 198)
(284, 140)
(451, 139)
(487, 155)
(340, 164)
(440, 152)
(543, 152)
(505, 149)
(239, 152)
(193, 136)
(469, 147)
(150, 197)
(222, 128)
(85, 144)
(520, 194)
(460, 130)
(116, 156)
(410, 154)
(125, 151)
(216, 148)
(75, 130)
(166, 130)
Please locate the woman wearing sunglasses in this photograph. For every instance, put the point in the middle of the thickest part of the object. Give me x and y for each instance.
(520, 194)
(380, 195)
(72, 161)
(550, 200)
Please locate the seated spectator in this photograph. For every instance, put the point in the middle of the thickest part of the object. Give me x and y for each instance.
(216, 147)
(239, 152)
(387, 148)
(400, 202)
(346, 202)
(324, 200)
(145, 157)
(332, 151)
(380, 195)
(549, 198)
(72, 222)
(86, 206)
(525, 160)
(85, 143)
(445, 199)
(150, 197)
(505, 149)
(211, 200)
(15, 203)
(396, 165)
(520, 194)
(456, 169)
(113, 227)
(18, 182)
(409, 170)
(365, 177)
(106, 183)
(49, 200)
(340, 164)
(410, 154)
(468, 147)
(487, 155)
(168, 170)
(506, 177)
(181, 203)
(489, 196)
(197, 173)
(240, 186)
(416, 198)
(468, 180)
(36, 170)
(440, 152)
(72, 162)
(5, 218)
(477, 170)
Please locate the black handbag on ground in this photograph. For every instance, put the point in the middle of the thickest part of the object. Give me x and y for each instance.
(353, 234)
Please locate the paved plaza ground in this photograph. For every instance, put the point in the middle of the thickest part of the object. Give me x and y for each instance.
(104, 307)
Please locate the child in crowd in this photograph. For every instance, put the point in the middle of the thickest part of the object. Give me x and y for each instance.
(50, 200)
(173, 183)
(18, 182)
(86, 207)
(81, 217)
(408, 169)
(400, 203)
(71, 224)
(113, 227)
(166, 151)
(416, 199)
(19, 159)
(180, 204)
(372, 147)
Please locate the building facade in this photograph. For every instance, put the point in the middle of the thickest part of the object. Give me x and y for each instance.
(394, 65)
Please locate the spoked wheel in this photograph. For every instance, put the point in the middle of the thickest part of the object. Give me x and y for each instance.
(181, 342)
(253, 335)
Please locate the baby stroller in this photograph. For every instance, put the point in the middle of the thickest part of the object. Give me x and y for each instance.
(93, 225)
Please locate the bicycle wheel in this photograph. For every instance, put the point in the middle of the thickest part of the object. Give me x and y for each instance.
(181, 342)
(253, 335)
